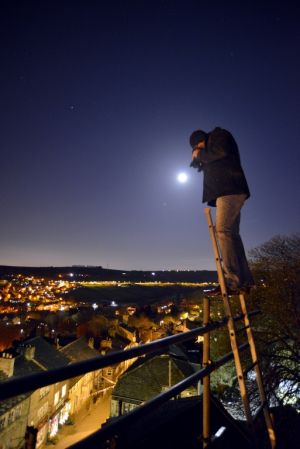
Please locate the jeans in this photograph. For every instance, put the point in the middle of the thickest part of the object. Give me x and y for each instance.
(235, 265)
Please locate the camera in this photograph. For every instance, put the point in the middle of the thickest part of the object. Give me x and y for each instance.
(196, 164)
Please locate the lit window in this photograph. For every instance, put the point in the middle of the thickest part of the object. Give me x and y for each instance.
(11, 416)
(42, 411)
(63, 390)
(3, 423)
(44, 391)
(56, 397)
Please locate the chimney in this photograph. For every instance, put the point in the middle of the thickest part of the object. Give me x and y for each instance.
(91, 343)
(29, 352)
(105, 344)
(7, 363)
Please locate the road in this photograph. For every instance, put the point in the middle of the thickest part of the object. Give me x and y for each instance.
(86, 422)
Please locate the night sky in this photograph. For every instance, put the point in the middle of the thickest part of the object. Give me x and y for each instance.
(98, 100)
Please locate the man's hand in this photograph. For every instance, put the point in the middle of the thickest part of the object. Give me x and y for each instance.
(195, 153)
(197, 149)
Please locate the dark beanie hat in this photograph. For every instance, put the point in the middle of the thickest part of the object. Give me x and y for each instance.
(196, 137)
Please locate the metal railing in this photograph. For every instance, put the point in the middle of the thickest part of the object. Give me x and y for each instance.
(19, 385)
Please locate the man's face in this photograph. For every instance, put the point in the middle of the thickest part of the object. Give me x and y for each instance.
(197, 149)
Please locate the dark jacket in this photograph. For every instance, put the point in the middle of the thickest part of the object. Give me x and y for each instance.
(221, 165)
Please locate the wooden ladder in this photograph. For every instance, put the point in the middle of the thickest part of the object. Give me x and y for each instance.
(241, 374)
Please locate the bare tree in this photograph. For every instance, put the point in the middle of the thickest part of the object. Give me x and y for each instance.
(276, 267)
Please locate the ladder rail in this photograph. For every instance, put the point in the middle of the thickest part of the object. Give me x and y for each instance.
(259, 380)
(206, 379)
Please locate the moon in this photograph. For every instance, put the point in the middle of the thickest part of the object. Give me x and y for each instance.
(182, 178)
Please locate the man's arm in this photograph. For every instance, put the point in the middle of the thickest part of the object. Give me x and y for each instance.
(217, 147)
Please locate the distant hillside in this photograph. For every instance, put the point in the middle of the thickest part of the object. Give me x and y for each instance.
(134, 294)
(103, 274)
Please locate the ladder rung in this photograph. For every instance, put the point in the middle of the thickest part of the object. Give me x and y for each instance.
(246, 371)
(241, 329)
(238, 317)
(259, 410)
(243, 346)
(250, 314)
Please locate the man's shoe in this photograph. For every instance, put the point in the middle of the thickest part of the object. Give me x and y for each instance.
(247, 289)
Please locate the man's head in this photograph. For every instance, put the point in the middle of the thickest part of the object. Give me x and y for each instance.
(197, 142)
(197, 137)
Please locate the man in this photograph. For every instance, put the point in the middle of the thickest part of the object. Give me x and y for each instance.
(225, 187)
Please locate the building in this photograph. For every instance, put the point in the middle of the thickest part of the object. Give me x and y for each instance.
(148, 378)
(48, 406)
(13, 411)
(177, 424)
(83, 388)
(125, 331)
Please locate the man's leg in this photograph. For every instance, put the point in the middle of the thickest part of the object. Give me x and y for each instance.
(246, 279)
(231, 246)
